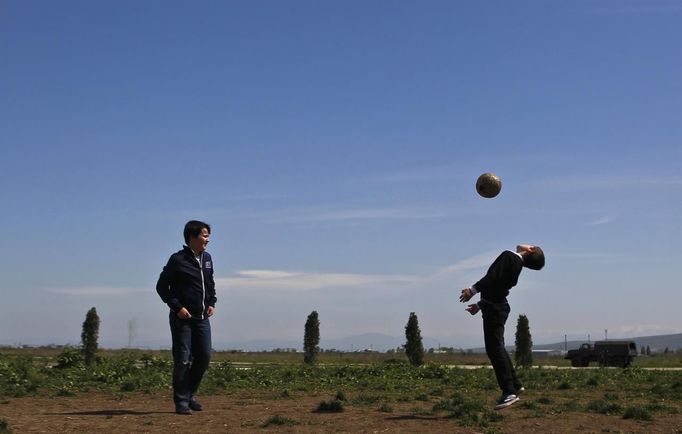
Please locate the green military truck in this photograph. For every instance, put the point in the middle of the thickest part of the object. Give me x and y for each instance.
(606, 353)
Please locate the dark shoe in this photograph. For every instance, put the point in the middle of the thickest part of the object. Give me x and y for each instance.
(505, 401)
(184, 410)
(194, 405)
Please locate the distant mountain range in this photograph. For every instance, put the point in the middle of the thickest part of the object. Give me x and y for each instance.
(381, 342)
(376, 342)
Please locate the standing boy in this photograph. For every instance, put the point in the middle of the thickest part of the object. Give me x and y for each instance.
(494, 288)
(186, 285)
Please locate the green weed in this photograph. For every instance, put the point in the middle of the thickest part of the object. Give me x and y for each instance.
(279, 421)
(637, 413)
(333, 406)
(604, 407)
(386, 408)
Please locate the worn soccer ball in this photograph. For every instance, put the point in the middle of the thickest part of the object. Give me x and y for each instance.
(488, 185)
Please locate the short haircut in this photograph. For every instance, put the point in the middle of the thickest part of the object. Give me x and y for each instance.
(534, 260)
(193, 228)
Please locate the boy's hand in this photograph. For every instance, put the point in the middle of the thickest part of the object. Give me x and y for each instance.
(184, 314)
(473, 309)
(466, 295)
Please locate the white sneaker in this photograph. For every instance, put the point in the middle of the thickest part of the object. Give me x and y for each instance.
(521, 390)
(506, 401)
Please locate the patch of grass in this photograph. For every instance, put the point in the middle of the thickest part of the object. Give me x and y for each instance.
(608, 396)
(467, 411)
(64, 391)
(386, 408)
(564, 385)
(418, 411)
(571, 405)
(279, 421)
(437, 391)
(661, 407)
(544, 400)
(422, 397)
(529, 405)
(637, 413)
(334, 406)
(604, 407)
(592, 381)
(4, 426)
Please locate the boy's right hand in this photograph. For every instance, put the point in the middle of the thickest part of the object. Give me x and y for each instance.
(466, 295)
(473, 309)
(184, 314)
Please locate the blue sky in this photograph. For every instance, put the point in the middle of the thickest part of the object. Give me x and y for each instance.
(334, 147)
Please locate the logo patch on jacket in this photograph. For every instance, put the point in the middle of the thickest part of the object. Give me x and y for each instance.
(207, 264)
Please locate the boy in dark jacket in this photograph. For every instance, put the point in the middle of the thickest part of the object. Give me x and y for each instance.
(494, 287)
(186, 285)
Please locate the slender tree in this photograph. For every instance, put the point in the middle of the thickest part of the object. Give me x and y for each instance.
(524, 344)
(90, 335)
(311, 339)
(132, 331)
(413, 346)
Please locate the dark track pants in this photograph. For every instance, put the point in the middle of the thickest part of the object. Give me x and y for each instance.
(494, 319)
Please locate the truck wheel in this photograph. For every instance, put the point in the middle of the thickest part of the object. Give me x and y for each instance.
(576, 362)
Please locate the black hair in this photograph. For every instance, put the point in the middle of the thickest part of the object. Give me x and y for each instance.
(534, 260)
(193, 228)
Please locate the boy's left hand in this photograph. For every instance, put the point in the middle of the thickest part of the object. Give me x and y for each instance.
(466, 295)
(473, 309)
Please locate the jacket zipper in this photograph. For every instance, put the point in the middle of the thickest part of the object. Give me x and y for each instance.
(203, 286)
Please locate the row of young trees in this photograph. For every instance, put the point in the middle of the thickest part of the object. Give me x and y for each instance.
(414, 348)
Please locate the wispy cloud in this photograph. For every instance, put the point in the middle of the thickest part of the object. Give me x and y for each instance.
(474, 262)
(282, 280)
(279, 280)
(601, 221)
(96, 290)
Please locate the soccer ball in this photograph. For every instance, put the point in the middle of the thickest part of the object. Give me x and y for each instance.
(488, 185)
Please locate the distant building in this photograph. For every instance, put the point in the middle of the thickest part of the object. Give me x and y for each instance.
(547, 353)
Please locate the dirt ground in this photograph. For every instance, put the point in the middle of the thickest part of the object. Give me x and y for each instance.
(153, 413)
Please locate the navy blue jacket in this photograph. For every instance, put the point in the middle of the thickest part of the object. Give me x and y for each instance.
(183, 283)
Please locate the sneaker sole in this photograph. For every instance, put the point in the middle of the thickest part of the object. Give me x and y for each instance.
(506, 404)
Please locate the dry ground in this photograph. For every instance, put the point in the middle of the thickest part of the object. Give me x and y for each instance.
(248, 412)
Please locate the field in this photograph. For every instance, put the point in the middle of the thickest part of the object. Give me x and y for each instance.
(129, 391)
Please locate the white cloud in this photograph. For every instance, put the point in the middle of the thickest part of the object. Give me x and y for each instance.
(96, 290)
(601, 221)
(306, 281)
(310, 281)
(474, 262)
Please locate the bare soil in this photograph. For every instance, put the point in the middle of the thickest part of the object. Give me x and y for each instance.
(249, 412)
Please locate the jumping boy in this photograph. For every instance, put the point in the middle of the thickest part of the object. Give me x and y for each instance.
(494, 287)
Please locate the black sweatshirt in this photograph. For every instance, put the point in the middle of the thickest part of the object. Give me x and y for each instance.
(500, 278)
